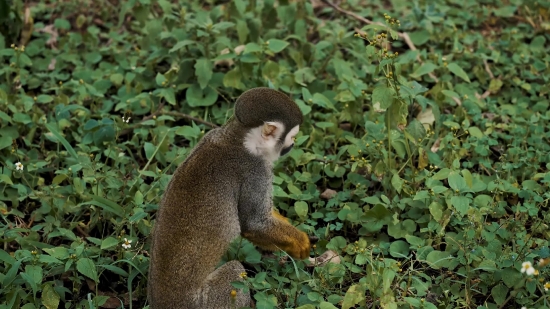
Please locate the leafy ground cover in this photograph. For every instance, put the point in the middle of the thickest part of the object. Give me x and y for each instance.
(423, 161)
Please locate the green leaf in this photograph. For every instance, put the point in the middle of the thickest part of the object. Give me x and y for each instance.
(43, 98)
(5, 141)
(196, 96)
(449, 93)
(301, 209)
(326, 305)
(499, 293)
(6, 257)
(117, 79)
(22, 118)
(482, 200)
(104, 134)
(399, 249)
(61, 253)
(222, 26)
(323, 101)
(233, 79)
(436, 210)
(372, 200)
(169, 95)
(442, 174)
(12, 273)
(6, 179)
(461, 204)
(62, 24)
(425, 68)
(87, 267)
(149, 150)
(276, 46)
(203, 71)
(383, 96)
(354, 295)
(59, 179)
(180, 45)
(161, 80)
(415, 241)
(138, 198)
(438, 259)
(270, 70)
(457, 182)
(90, 125)
(34, 273)
(468, 178)
(107, 205)
(397, 182)
(188, 132)
(50, 299)
(475, 132)
(63, 141)
(109, 242)
(242, 29)
(458, 71)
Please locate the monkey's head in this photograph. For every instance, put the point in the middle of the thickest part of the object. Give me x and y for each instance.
(272, 120)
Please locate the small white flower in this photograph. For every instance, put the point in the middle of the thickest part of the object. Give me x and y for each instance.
(527, 268)
(19, 166)
(523, 307)
(127, 244)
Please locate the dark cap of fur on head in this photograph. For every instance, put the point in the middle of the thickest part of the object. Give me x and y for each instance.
(262, 104)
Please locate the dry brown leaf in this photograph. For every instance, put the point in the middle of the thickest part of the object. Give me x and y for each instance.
(328, 194)
(228, 62)
(53, 36)
(28, 27)
(422, 159)
(328, 256)
(316, 4)
(345, 126)
(376, 107)
(51, 66)
(426, 118)
(436, 144)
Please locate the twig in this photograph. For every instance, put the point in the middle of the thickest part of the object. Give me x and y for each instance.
(405, 36)
(487, 69)
(485, 169)
(81, 231)
(484, 95)
(457, 101)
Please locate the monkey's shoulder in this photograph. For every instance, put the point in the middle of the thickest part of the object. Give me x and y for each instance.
(217, 155)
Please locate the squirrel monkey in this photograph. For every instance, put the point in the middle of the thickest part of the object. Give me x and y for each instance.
(223, 190)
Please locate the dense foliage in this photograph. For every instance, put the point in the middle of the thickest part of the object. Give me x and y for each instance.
(423, 160)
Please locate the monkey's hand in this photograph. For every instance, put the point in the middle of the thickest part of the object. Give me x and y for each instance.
(298, 246)
(279, 234)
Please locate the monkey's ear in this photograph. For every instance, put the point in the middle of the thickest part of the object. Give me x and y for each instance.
(270, 130)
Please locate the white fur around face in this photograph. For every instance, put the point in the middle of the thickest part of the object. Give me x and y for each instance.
(267, 146)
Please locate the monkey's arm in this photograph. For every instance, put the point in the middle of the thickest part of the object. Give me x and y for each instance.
(276, 233)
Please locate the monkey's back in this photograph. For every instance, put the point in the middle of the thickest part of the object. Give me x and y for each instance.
(197, 219)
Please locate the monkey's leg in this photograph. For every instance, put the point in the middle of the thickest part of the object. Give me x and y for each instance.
(277, 233)
(218, 288)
